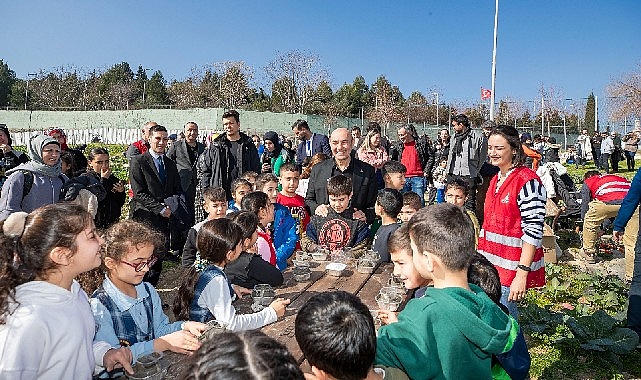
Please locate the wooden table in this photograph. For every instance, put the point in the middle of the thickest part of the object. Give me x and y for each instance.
(365, 285)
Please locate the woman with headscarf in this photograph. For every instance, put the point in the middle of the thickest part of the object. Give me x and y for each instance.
(9, 158)
(79, 161)
(274, 155)
(35, 183)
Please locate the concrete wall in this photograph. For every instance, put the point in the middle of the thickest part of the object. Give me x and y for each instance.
(123, 126)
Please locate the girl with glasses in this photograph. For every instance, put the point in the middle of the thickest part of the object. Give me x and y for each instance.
(127, 311)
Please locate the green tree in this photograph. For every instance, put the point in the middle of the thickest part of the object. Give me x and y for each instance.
(7, 79)
(115, 87)
(588, 122)
(322, 98)
(259, 100)
(156, 93)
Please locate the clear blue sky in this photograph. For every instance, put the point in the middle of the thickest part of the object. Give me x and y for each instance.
(575, 46)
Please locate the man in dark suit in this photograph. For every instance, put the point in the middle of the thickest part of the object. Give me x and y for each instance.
(311, 143)
(154, 178)
(363, 179)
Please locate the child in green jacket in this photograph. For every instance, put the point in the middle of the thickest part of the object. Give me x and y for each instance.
(453, 331)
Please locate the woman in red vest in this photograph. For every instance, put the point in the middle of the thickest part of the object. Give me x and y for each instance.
(513, 219)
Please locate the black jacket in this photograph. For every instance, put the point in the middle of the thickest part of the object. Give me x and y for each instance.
(364, 185)
(216, 162)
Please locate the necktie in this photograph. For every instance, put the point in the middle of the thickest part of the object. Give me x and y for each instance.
(161, 170)
(309, 148)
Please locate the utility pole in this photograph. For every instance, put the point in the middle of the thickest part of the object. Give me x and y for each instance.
(496, 27)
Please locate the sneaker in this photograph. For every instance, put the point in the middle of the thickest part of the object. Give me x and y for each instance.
(590, 257)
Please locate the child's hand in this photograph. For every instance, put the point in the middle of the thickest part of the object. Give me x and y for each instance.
(118, 358)
(195, 328)
(387, 317)
(240, 291)
(182, 342)
(322, 210)
(279, 306)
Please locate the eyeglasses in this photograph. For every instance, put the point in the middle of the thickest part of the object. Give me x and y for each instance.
(141, 265)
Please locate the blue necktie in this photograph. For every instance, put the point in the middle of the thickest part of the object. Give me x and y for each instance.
(161, 170)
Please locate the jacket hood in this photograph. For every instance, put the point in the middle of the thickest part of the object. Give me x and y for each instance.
(44, 293)
(479, 319)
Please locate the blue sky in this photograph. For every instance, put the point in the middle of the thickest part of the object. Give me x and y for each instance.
(574, 46)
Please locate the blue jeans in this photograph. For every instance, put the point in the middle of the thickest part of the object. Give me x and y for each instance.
(417, 185)
(511, 305)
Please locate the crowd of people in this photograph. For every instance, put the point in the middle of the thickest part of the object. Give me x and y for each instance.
(461, 217)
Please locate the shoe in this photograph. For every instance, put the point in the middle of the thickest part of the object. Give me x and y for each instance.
(590, 257)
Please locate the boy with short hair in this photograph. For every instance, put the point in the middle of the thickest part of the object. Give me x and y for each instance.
(394, 175)
(289, 177)
(251, 177)
(456, 193)
(388, 205)
(336, 333)
(239, 187)
(454, 322)
(283, 230)
(338, 229)
(411, 204)
(215, 204)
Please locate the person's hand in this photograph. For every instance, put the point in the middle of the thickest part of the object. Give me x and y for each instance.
(6, 148)
(166, 212)
(313, 247)
(360, 215)
(119, 187)
(194, 328)
(182, 342)
(279, 306)
(240, 291)
(266, 168)
(387, 317)
(118, 358)
(517, 288)
(322, 210)
(105, 172)
(617, 236)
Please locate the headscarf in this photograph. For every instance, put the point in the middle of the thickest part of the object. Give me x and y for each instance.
(4, 129)
(62, 133)
(273, 137)
(37, 165)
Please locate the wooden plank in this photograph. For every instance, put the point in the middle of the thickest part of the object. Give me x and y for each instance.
(351, 281)
(367, 293)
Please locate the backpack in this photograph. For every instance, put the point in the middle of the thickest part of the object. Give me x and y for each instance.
(28, 182)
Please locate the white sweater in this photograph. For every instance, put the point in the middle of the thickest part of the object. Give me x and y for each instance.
(49, 335)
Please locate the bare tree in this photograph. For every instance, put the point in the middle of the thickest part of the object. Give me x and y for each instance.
(625, 94)
(299, 73)
(234, 77)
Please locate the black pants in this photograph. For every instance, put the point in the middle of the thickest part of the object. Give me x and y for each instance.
(160, 224)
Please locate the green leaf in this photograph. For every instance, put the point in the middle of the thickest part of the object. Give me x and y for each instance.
(625, 341)
(592, 347)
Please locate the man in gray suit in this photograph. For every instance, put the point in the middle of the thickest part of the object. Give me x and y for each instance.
(185, 154)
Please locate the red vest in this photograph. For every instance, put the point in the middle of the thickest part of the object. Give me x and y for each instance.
(500, 239)
(608, 188)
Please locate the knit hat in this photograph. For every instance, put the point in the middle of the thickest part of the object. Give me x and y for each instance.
(271, 136)
(3, 128)
(526, 136)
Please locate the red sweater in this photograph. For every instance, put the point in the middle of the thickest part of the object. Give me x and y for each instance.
(500, 240)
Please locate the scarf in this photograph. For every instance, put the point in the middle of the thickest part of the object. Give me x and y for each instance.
(51, 131)
(458, 140)
(36, 165)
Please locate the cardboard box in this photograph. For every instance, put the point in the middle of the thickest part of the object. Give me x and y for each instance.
(549, 245)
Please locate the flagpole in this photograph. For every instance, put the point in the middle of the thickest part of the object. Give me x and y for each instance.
(496, 26)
